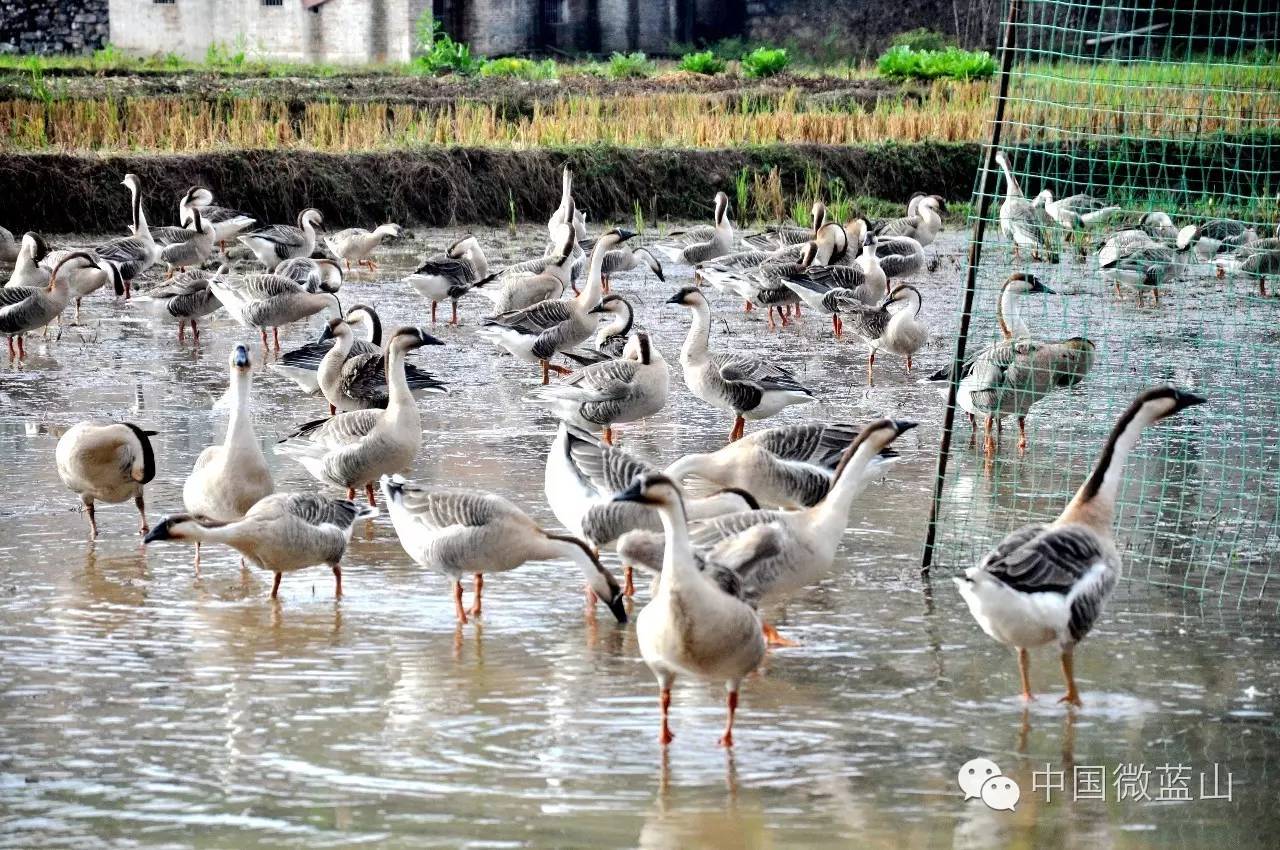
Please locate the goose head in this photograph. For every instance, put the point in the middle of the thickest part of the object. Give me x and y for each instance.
(656, 267)
(653, 489)
(856, 229)
(1023, 283)
(939, 204)
(409, 338)
(1002, 159)
(178, 527)
(462, 247)
(310, 216)
(337, 329)
(1045, 197)
(722, 208)
(241, 364)
(613, 238)
(818, 214)
(1162, 402)
(198, 196)
(35, 246)
(876, 437)
(132, 182)
(689, 296)
(612, 303)
(361, 314)
(903, 293)
(600, 580)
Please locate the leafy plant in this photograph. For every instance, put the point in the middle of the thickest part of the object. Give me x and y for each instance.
(514, 66)
(952, 62)
(705, 62)
(438, 53)
(922, 38)
(219, 55)
(628, 65)
(106, 57)
(765, 61)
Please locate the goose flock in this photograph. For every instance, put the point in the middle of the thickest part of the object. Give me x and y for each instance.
(726, 534)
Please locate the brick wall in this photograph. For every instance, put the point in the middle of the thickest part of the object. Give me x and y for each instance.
(52, 26)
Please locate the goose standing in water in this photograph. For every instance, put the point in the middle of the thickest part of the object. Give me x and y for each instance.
(898, 331)
(583, 475)
(227, 223)
(359, 382)
(264, 301)
(776, 553)
(522, 285)
(1048, 583)
(1076, 213)
(302, 365)
(108, 462)
(28, 268)
(451, 275)
(229, 479)
(780, 236)
(86, 280)
(354, 449)
(748, 387)
(923, 225)
(1138, 262)
(691, 627)
(536, 333)
(789, 466)
(356, 243)
(1019, 221)
(24, 309)
(282, 533)
(466, 533)
(567, 214)
(710, 242)
(312, 274)
(611, 392)
(187, 298)
(134, 254)
(188, 247)
(282, 242)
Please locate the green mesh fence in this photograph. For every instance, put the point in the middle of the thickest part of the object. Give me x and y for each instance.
(1173, 107)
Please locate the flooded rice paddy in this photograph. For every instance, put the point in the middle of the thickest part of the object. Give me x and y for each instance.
(146, 706)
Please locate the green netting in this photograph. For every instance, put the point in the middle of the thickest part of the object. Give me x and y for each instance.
(1170, 106)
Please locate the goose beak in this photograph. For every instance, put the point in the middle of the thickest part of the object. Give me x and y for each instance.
(624, 234)
(901, 426)
(160, 532)
(1185, 399)
(618, 608)
(599, 308)
(240, 359)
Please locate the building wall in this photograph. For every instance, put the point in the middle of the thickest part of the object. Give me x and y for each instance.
(52, 26)
(337, 31)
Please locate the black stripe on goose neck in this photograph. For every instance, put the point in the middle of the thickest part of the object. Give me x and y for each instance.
(375, 333)
(646, 353)
(137, 205)
(569, 538)
(1099, 474)
(752, 504)
(148, 453)
(862, 437)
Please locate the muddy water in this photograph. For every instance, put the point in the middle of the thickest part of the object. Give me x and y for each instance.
(146, 706)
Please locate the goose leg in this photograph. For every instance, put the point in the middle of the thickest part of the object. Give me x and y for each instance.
(607, 438)
(628, 582)
(368, 492)
(772, 326)
(143, 528)
(197, 557)
(76, 320)
(871, 364)
(1262, 287)
(275, 585)
(337, 581)
(479, 586)
(1024, 671)
(726, 740)
(433, 312)
(1072, 696)
(348, 262)
(453, 319)
(265, 343)
(182, 332)
(773, 637)
(747, 306)
(739, 425)
(973, 429)
(195, 330)
(1022, 435)
(11, 351)
(1156, 291)
(604, 284)
(275, 333)
(458, 610)
(908, 362)
(989, 443)
(664, 701)
(351, 493)
(546, 373)
(22, 347)
(93, 520)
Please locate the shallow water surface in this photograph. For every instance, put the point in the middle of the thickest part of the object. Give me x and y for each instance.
(147, 706)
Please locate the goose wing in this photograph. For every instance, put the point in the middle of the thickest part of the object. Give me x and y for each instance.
(318, 511)
(340, 430)
(439, 509)
(281, 235)
(534, 320)
(760, 374)
(870, 323)
(607, 469)
(817, 443)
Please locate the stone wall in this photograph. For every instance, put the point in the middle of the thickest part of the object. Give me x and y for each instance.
(52, 26)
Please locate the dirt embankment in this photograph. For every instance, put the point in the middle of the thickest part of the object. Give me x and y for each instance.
(61, 193)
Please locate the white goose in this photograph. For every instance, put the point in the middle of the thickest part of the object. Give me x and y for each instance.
(709, 242)
(108, 462)
(28, 266)
(1019, 221)
(567, 213)
(227, 223)
(357, 243)
(1048, 583)
(24, 309)
(467, 533)
(282, 242)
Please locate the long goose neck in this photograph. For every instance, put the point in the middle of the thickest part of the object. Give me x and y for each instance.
(699, 338)
(1013, 190)
(398, 395)
(479, 261)
(592, 292)
(1008, 315)
(240, 428)
(1095, 501)
(832, 512)
(677, 558)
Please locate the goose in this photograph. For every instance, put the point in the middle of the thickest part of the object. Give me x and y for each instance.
(749, 387)
(780, 236)
(625, 259)
(833, 289)
(923, 225)
(87, 279)
(564, 243)
(1019, 221)
(790, 466)
(1217, 234)
(186, 298)
(302, 365)
(1259, 260)
(282, 533)
(227, 223)
(691, 626)
(895, 256)
(281, 242)
(27, 308)
(778, 553)
(359, 381)
(605, 394)
(1134, 259)
(899, 331)
(229, 479)
(313, 274)
(611, 337)
(353, 449)
(764, 285)
(28, 268)
(268, 301)
(8, 246)
(132, 255)
(357, 243)
(460, 533)
(1076, 213)
(102, 461)
(1049, 583)
(583, 475)
(188, 247)
(536, 333)
(567, 213)
(718, 241)
(1159, 226)
(451, 275)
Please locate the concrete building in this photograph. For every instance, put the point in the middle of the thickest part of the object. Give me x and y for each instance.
(336, 31)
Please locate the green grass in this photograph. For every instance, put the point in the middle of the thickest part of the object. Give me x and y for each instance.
(706, 62)
(952, 62)
(524, 69)
(765, 62)
(624, 66)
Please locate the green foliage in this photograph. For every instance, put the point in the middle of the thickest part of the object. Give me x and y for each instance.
(525, 69)
(107, 57)
(902, 61)
(628, 65)
(742, 192)
(733, 48)
(705, 62)
(221, 56)
(923, 38)
(438, 53)
(765, 62)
